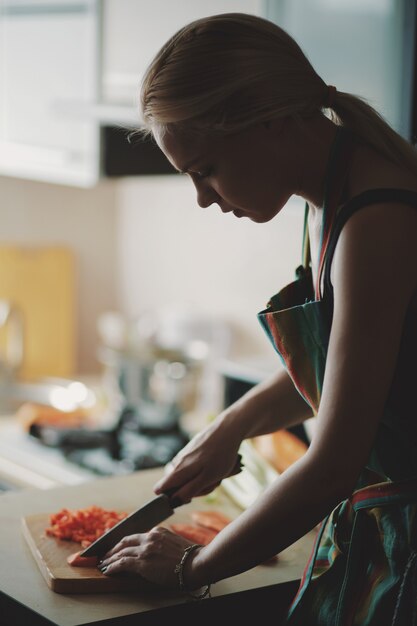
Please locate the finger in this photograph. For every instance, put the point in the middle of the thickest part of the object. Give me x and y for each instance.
(192, 489)
(174, 481)
(129, 540)
(132, 551)
(168, 470)
(176, 473)
(208, 490)
(126, 564)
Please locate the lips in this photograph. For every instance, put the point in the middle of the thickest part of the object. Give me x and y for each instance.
(235, 212)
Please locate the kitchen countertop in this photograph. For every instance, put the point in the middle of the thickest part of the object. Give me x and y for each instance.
(26, 595)
(25, 463)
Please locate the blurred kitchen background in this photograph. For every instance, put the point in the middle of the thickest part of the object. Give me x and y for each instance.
(127, 313)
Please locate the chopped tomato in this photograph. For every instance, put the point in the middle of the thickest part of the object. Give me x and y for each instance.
(197, 534)
(82, 561)
(208, 525)
(83, 525)
(211, 519)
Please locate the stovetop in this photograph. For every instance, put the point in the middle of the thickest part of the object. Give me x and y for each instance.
(127, 447)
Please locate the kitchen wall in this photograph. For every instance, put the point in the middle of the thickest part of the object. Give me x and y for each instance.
(173, 252)
(143, 243)
(35, 213)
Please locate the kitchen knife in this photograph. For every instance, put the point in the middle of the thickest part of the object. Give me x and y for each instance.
(140, 521)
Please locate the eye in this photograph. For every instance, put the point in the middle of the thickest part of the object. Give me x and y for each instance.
(203, 173)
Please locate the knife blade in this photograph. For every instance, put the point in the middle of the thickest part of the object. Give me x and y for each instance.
(143, 519)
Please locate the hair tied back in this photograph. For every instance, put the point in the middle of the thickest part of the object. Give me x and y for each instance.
(329, 96)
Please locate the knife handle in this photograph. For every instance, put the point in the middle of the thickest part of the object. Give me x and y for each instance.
(238, 466)
(174, 502)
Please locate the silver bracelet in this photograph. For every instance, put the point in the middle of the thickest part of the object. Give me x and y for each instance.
(179, 569)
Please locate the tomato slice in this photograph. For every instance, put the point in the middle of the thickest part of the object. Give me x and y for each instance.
(211, 519)
(196, 534)
(82, 561)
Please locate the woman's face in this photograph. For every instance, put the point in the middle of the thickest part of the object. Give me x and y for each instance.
(251, 173)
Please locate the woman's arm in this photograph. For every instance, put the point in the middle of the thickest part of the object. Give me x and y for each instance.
(272, 404)
(211, 454)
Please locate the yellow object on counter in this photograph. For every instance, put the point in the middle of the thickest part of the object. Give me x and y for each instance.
(40, 281)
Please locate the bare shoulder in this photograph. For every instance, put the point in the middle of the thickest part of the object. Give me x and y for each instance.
(377, 249)
(392, 223)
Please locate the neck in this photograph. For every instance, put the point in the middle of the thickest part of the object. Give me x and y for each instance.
(315, 137)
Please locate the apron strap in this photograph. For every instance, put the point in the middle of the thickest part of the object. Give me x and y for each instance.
(305, 252)
(335, 189)
(335, 179)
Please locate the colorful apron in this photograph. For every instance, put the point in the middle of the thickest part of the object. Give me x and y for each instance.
(363, 566)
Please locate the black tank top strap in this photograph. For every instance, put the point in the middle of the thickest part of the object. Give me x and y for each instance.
(371, 196)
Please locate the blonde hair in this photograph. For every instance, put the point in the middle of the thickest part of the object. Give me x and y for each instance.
(226, 72)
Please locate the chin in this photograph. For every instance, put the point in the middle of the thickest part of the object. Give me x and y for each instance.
(261, 219)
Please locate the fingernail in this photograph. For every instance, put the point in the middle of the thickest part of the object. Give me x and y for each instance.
(103, 570)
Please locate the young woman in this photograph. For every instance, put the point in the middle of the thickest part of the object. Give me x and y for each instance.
(233, 102)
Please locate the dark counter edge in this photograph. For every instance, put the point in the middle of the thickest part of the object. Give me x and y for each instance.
(247, 607)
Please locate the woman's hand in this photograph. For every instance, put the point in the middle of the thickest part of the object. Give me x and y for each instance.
(213, 453)
(202, 464)
(152, 555)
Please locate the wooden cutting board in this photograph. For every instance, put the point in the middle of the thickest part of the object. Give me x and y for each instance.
(51, 556)
(40, 281)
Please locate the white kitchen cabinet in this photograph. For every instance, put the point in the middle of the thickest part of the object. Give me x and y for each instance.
(143, 27)
(49, 54)
(68, 68)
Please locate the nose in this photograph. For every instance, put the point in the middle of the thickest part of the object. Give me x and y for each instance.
(206, 195)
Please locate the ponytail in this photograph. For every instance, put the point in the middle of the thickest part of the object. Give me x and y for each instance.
(358, 116)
